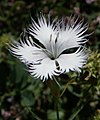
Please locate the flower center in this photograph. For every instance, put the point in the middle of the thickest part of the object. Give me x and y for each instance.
(52, 58)
(52, 48)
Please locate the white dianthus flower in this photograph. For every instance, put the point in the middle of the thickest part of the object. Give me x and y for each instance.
(44, 46)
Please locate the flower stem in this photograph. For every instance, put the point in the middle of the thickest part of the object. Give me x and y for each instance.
(56, 107)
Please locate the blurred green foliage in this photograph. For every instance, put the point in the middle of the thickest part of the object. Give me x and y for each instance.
(23, 97)
(97, 116)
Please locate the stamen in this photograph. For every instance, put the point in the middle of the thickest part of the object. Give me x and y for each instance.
(57, 37)
(50, 37)
(52, 47)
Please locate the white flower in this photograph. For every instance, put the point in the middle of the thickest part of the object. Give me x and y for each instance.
(44, 46)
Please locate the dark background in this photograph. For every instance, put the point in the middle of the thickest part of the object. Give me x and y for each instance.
(23, 97)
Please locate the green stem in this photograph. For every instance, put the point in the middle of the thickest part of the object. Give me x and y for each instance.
(70, 82)
(33, 114)
(56, 106)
